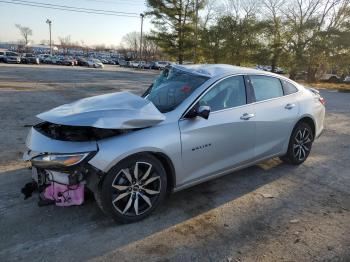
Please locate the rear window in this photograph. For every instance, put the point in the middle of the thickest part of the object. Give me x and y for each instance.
(266, 87)
(289, 88)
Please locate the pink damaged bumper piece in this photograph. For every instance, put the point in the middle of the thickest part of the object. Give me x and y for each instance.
(65, 195)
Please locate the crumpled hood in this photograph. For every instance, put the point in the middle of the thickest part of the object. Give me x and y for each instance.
(121, 110)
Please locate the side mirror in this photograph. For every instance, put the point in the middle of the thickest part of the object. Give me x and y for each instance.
(201, 111)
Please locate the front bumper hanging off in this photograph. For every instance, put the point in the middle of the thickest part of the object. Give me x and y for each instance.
(61, 177)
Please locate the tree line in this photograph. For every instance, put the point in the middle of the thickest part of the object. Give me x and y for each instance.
(308, 37)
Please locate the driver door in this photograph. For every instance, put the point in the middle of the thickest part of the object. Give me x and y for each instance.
(225, 139)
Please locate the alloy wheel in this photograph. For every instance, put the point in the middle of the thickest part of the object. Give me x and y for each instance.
(135, 189)
(302, 144)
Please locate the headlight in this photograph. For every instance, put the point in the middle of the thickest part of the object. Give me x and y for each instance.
(58, 160)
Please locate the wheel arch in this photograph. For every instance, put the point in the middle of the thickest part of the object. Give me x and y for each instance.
(169, 169)
(165, 161)
(308, 120)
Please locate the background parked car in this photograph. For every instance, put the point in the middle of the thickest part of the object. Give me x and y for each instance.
(147, 65)
(122, 63)
(42, 57)
(11, 57)
(347, 79)
(82, 61)
(95, 63)
(68, 61)
(104, 61)
(134, 64)
(160, 65)
(332, 78)
(55, 60)
(141, 64)
(112, 62)
(29, 58)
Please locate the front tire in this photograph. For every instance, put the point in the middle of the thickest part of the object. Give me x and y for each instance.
(300, 144)
(133, 188)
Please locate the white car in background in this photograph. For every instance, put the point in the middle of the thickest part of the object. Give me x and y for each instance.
(134, 64)
(332, 78)
(160, 64)
(347, 79)
(95, 63)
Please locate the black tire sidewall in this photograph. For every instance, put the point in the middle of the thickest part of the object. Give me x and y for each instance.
(289, 157)
(106, 189)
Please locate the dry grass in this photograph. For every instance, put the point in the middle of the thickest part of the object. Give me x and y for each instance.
(324, 85)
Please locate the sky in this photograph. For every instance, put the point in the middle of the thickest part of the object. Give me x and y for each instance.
(92, 29)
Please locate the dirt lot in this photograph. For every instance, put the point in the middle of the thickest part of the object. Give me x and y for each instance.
(269, 212)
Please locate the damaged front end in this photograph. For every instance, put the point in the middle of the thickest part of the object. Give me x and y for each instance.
(59, 158)
(61, 147)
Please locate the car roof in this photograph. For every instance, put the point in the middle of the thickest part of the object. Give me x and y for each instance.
(213, 70)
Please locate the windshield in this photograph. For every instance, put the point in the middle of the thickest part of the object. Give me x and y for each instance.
(172, 87)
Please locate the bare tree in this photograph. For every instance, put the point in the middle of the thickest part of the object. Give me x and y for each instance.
(25, 33)
(131, 41)
(151, 50)
(65, 43)
(274, 29)
(309, 23)
(131, 44)
(210, 13)
(242, 9)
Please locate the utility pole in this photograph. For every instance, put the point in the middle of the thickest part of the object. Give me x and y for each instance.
(141, 40)
(48, 21)
(196, 35)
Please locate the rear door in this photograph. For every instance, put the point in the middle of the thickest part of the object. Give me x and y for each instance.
(276, 111)
(224, 140)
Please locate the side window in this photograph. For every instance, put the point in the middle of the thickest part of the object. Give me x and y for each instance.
(288, 88)
(266, 87)
(228, 93)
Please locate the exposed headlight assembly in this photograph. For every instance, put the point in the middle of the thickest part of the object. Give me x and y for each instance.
(58, 160)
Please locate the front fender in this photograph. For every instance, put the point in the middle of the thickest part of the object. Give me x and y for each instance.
(163, 139)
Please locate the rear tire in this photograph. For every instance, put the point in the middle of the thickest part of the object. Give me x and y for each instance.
(300, 144)
(133, 188)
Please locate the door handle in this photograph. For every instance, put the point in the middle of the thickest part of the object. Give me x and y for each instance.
(247, 116)
(289, 106)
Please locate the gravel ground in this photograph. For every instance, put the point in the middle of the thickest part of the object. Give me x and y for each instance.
(268, 212)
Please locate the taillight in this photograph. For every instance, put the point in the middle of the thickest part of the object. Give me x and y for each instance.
(322, 100)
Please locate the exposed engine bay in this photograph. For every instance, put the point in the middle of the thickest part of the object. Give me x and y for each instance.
(77, 133)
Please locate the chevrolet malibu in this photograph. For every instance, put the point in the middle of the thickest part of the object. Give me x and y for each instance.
(193, 124)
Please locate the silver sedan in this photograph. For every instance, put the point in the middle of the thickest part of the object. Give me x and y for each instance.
(193, 124)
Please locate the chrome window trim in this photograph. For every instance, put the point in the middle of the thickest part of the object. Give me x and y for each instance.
(275, 98)
(247, 104)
